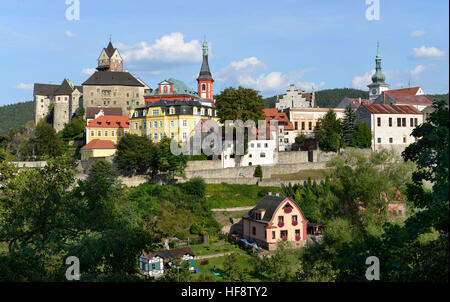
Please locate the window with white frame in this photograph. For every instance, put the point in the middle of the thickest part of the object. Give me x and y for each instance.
(184, 123)
(155, 124)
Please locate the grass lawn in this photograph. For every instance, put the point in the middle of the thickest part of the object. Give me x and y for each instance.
(232, 195)
(206, 273)
(303, 175)
(212, 248)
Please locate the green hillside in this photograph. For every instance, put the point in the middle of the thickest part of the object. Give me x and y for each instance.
(327, 97)
(15, 115)
(436, 97)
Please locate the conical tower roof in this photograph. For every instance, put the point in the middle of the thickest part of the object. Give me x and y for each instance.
(205, 73)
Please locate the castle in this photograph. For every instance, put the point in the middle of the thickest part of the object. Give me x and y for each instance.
(108, 87)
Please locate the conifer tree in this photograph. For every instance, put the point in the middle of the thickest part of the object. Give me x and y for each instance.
(348, 126)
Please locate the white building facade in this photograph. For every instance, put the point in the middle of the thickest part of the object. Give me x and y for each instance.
(391, 125)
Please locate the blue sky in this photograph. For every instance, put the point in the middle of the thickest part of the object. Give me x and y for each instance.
(264, 45)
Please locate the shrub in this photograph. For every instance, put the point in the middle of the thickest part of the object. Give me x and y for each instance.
(196, 186)
(258, 172)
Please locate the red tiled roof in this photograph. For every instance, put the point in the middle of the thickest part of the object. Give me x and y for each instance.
(363, 101)
(406, 98)
(391, 109)
(111, 121)
(281, 117)
(411, 90)
(307, 96)
(99, 144)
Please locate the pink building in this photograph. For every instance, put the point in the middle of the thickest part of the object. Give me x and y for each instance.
(275, 219)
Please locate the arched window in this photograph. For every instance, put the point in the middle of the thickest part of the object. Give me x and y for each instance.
(203, 87)
(165, 89)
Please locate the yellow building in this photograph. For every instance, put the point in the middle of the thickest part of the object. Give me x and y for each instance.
(173, 119)
(110, 128)
(98, 148)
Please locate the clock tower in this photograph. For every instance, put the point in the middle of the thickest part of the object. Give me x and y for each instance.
(205, 80)
(378, 85)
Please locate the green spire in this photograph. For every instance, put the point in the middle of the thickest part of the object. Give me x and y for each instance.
(205, 47)
(378, 77)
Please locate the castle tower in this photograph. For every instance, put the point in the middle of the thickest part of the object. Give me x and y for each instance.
(110, 59)
(205, 80)
(61, 113)
(378, 85)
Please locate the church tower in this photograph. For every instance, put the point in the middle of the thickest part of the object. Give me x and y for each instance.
(378, 85)
(205, 80)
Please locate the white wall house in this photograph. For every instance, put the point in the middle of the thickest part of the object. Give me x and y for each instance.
(155, 264)
(260, 152)
(391, 125)
(153, 267)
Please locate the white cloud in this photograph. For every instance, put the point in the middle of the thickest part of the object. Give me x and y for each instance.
(69, 34)
(428, 53)
(170, 48)
(241, 73)
(361, 81)
(24, 86)
(418, 70)
(88, 71)
(417, 33)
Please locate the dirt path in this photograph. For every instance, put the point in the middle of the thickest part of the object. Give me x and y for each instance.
(213, 256)
(236, 209)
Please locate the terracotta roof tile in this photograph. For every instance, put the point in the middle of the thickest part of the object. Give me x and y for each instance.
(409, 99)
(411, 90)
(99, 144)
(110, 121)
(391, 109)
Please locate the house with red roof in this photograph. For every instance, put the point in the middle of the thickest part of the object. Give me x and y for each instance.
(285, 128)
(398, 97)
(98, 148)
(391, 125)
(107, 127)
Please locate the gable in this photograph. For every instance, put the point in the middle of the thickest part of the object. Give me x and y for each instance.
(103, 55)
(280, 212)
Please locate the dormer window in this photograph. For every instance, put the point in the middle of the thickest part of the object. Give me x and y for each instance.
(165, 89)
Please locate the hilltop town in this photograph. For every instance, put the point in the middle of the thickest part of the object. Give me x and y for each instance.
(311, 183)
